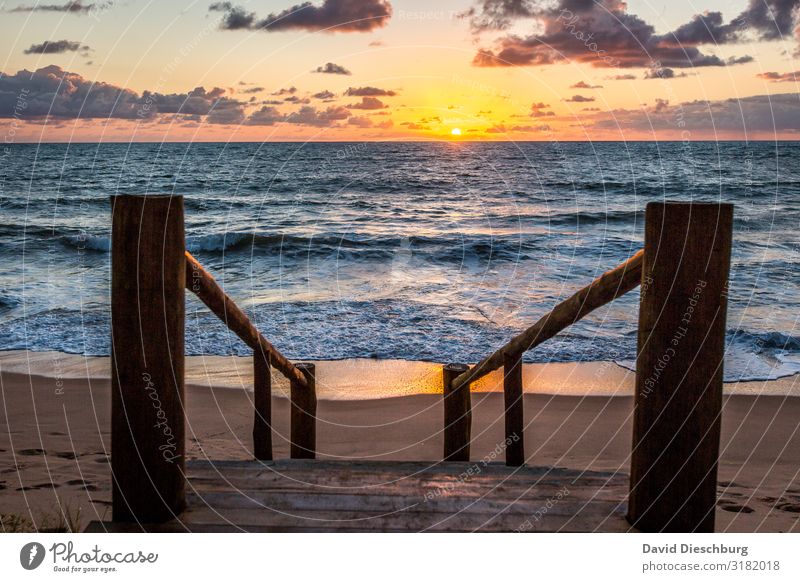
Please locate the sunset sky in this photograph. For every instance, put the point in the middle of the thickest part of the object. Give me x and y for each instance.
(268, 70)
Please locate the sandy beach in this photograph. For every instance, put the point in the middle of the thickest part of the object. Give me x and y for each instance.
(54, 441)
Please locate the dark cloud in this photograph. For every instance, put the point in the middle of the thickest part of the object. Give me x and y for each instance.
(584, 85)
(332, 69)
(251, 90)
(416, 126)
(332, 15)
(626, 77)
(744, 59)
(368, 103)
(55, 47)
(74, 7)
(366, 122)
(538, 110)
(761, 20)
(285, 91)
(369, 92)
(661, 105)
(760, 114)
(308, 115)
(324, 95)
(774, 77)
(579, 99)
(51, 92)
(604, 34)
(265, 116)
(296, 100)
(663, 73)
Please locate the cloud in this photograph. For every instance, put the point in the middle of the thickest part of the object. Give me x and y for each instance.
(530, 128)
(584, 85)
(324, 95)
(662, 73)
(251, 90)
(625, 77)
(761, 20)
(366, 122)
(661, 105)
(603, 33)
(368, 103)
(295, 99)
(760, 114)
(74, 7)
(537, 110)
(416, 126)
(774, 77)
(52, 93)
(369, 92)
(55, 47)
(332, 69)
(579, 99)
(308, 115)
(285, 91)
(332, 16)
(265, 116)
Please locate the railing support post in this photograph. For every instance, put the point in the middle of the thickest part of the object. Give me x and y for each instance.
(514, 416)
(262, 396)
(676, 427)
(457, 414)
(303, 431)
(147, 358)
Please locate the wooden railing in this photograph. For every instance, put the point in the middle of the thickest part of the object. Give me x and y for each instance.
(683, 271)
(301, 377)
(150, 272)
(599, 292)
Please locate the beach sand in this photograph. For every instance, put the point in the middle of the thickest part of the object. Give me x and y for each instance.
(55, 417)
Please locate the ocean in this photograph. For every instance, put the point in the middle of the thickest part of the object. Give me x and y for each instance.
(416, 251)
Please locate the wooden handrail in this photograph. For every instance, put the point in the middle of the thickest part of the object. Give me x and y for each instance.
(602, 290)
(202, 283)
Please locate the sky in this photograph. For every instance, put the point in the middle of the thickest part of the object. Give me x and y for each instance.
(354, 70)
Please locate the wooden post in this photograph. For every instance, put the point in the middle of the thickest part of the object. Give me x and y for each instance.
(514, 417)
(676, 427)
(304, 414)
(457, 414)
(147, 358)
(262, 389)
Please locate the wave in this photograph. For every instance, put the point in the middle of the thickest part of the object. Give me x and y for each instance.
(755, 356)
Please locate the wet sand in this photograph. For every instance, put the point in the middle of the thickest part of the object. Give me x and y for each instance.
(55, 426)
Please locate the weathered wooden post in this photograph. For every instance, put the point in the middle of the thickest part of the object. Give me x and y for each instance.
(676, 427)
(303, 430)
(514, 415)
(262, 396)
(457, 414)
(147, 357)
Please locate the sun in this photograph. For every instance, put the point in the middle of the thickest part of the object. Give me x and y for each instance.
(455, 131)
